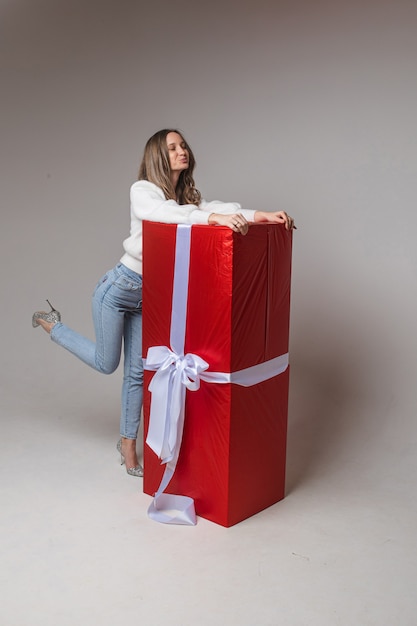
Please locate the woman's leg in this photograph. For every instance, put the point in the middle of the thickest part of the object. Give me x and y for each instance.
(117, 313)
(128, 293)
(104, 354)
(132, 389)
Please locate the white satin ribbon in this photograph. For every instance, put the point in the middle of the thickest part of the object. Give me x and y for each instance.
(175, 373)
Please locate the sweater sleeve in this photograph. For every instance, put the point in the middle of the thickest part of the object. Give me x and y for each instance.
(148, 203)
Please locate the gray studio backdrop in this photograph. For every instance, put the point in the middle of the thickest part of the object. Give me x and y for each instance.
(297, 105)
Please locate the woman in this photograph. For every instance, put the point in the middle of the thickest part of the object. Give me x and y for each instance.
(164, 192)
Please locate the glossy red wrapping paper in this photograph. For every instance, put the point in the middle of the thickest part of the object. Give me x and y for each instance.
(232, 457)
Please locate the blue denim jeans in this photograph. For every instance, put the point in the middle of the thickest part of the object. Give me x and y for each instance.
(117, 315)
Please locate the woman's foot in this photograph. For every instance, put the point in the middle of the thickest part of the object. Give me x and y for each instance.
(127, 449)
(47, 326)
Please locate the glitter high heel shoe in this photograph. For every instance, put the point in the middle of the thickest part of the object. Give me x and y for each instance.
(132, 471)
(52, 316)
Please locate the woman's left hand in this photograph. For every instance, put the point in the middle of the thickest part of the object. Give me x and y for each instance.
(234, 221)
(275, 217)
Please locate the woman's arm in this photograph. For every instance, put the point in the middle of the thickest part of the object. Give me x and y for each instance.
(232, 209)
(148, 203)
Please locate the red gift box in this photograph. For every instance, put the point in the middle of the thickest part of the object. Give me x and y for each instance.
(232, 456)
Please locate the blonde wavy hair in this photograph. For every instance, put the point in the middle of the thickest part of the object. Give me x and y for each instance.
(156, 169)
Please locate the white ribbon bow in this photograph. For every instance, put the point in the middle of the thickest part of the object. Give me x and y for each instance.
(174, 374)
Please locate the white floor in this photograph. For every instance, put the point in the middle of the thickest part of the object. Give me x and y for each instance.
(78, 548)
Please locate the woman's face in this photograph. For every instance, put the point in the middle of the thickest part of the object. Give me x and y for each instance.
(178, 153)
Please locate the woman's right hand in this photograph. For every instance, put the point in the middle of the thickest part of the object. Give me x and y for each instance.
(275, 217)
(235, 221)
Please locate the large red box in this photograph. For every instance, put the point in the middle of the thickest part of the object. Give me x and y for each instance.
(232, 457)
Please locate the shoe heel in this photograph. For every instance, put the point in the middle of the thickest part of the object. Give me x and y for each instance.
(119, 449)
(52, 308)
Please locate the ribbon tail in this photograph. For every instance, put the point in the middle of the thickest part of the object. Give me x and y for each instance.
(156, 437)
(177, 411)
(169, 509)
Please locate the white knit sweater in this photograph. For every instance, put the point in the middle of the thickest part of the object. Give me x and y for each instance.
(147, 202)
